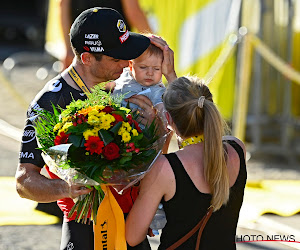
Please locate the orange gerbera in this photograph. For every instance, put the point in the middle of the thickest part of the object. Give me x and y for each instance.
(85, 111)
(94, 145)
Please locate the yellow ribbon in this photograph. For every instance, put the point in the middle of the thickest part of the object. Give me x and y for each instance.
(77, 79)
(109, 232)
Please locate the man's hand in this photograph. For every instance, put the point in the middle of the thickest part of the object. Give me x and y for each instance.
(76, 190)
(147, 112)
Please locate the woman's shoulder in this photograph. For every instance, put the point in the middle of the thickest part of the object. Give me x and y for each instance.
(161, 166)
(159, 176)
(235, 139)
(160, 171)
(234, 159)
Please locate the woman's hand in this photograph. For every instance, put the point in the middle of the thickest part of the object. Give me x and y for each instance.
(168, 69)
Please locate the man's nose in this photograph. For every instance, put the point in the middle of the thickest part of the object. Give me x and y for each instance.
(124, 63)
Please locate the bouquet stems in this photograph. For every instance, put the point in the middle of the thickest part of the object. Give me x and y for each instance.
(86, 208)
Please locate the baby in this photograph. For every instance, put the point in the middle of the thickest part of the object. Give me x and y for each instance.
(143, 77)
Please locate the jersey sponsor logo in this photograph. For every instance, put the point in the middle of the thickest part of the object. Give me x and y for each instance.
(91, 36)
(26, 155)
(56, 86)
(32, 111)
(124, 37)
(121, 25)
(29, 134)
(96, 49)
(93, 43)
(86, 48)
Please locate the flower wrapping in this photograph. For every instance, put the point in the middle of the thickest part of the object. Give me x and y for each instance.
(96, 142)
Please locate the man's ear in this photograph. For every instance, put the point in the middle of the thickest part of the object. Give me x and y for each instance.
(130, 65)
(86, 58)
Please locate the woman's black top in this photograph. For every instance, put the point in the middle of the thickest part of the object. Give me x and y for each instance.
(188, 206)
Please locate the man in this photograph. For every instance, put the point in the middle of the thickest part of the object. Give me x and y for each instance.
(102, 46)
(70, 9)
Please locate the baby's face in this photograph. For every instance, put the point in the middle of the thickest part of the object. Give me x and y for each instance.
(146, 69)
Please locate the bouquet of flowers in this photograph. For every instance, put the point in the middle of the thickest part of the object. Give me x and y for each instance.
(96, 142)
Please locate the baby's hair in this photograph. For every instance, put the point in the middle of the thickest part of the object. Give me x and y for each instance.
(190, 104)
(154, 50)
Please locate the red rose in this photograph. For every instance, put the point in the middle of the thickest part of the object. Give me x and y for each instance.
(137, 127)
(111, 151)
(107, 109)
(62, 138)
(118, 118)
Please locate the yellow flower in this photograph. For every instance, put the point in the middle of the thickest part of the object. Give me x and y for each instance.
(110, 117)
(66, 126)
(57, 127)
(96, 130)
(125, 109)
(93, 112)
(134, 132)
(126, 137)
(105, 125)
(93, 120)
(66, 119)
(106, 120)
(99, 107)
(127, 126)
(121, 131)
(89, 133)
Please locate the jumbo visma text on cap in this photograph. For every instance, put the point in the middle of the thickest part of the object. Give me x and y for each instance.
(103, 30)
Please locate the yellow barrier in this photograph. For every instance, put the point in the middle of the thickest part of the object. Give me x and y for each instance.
(242, 94)
(274, 60)
(242, 97)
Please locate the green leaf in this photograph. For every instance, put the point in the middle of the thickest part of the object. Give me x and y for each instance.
(56, 113)
(139, 137)
(125, 159)
(116, 128)
(76, 140)
(105, 136)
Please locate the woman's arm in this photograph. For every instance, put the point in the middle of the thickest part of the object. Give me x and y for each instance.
(135, 15)
(153, 187)
(65, 22)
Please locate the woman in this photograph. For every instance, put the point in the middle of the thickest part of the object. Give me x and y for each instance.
(205, 171)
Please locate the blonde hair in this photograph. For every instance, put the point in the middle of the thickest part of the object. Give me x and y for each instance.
(181, 100)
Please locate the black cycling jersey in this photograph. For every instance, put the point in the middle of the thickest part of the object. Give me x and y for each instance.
(56, 92)
(59, 93)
